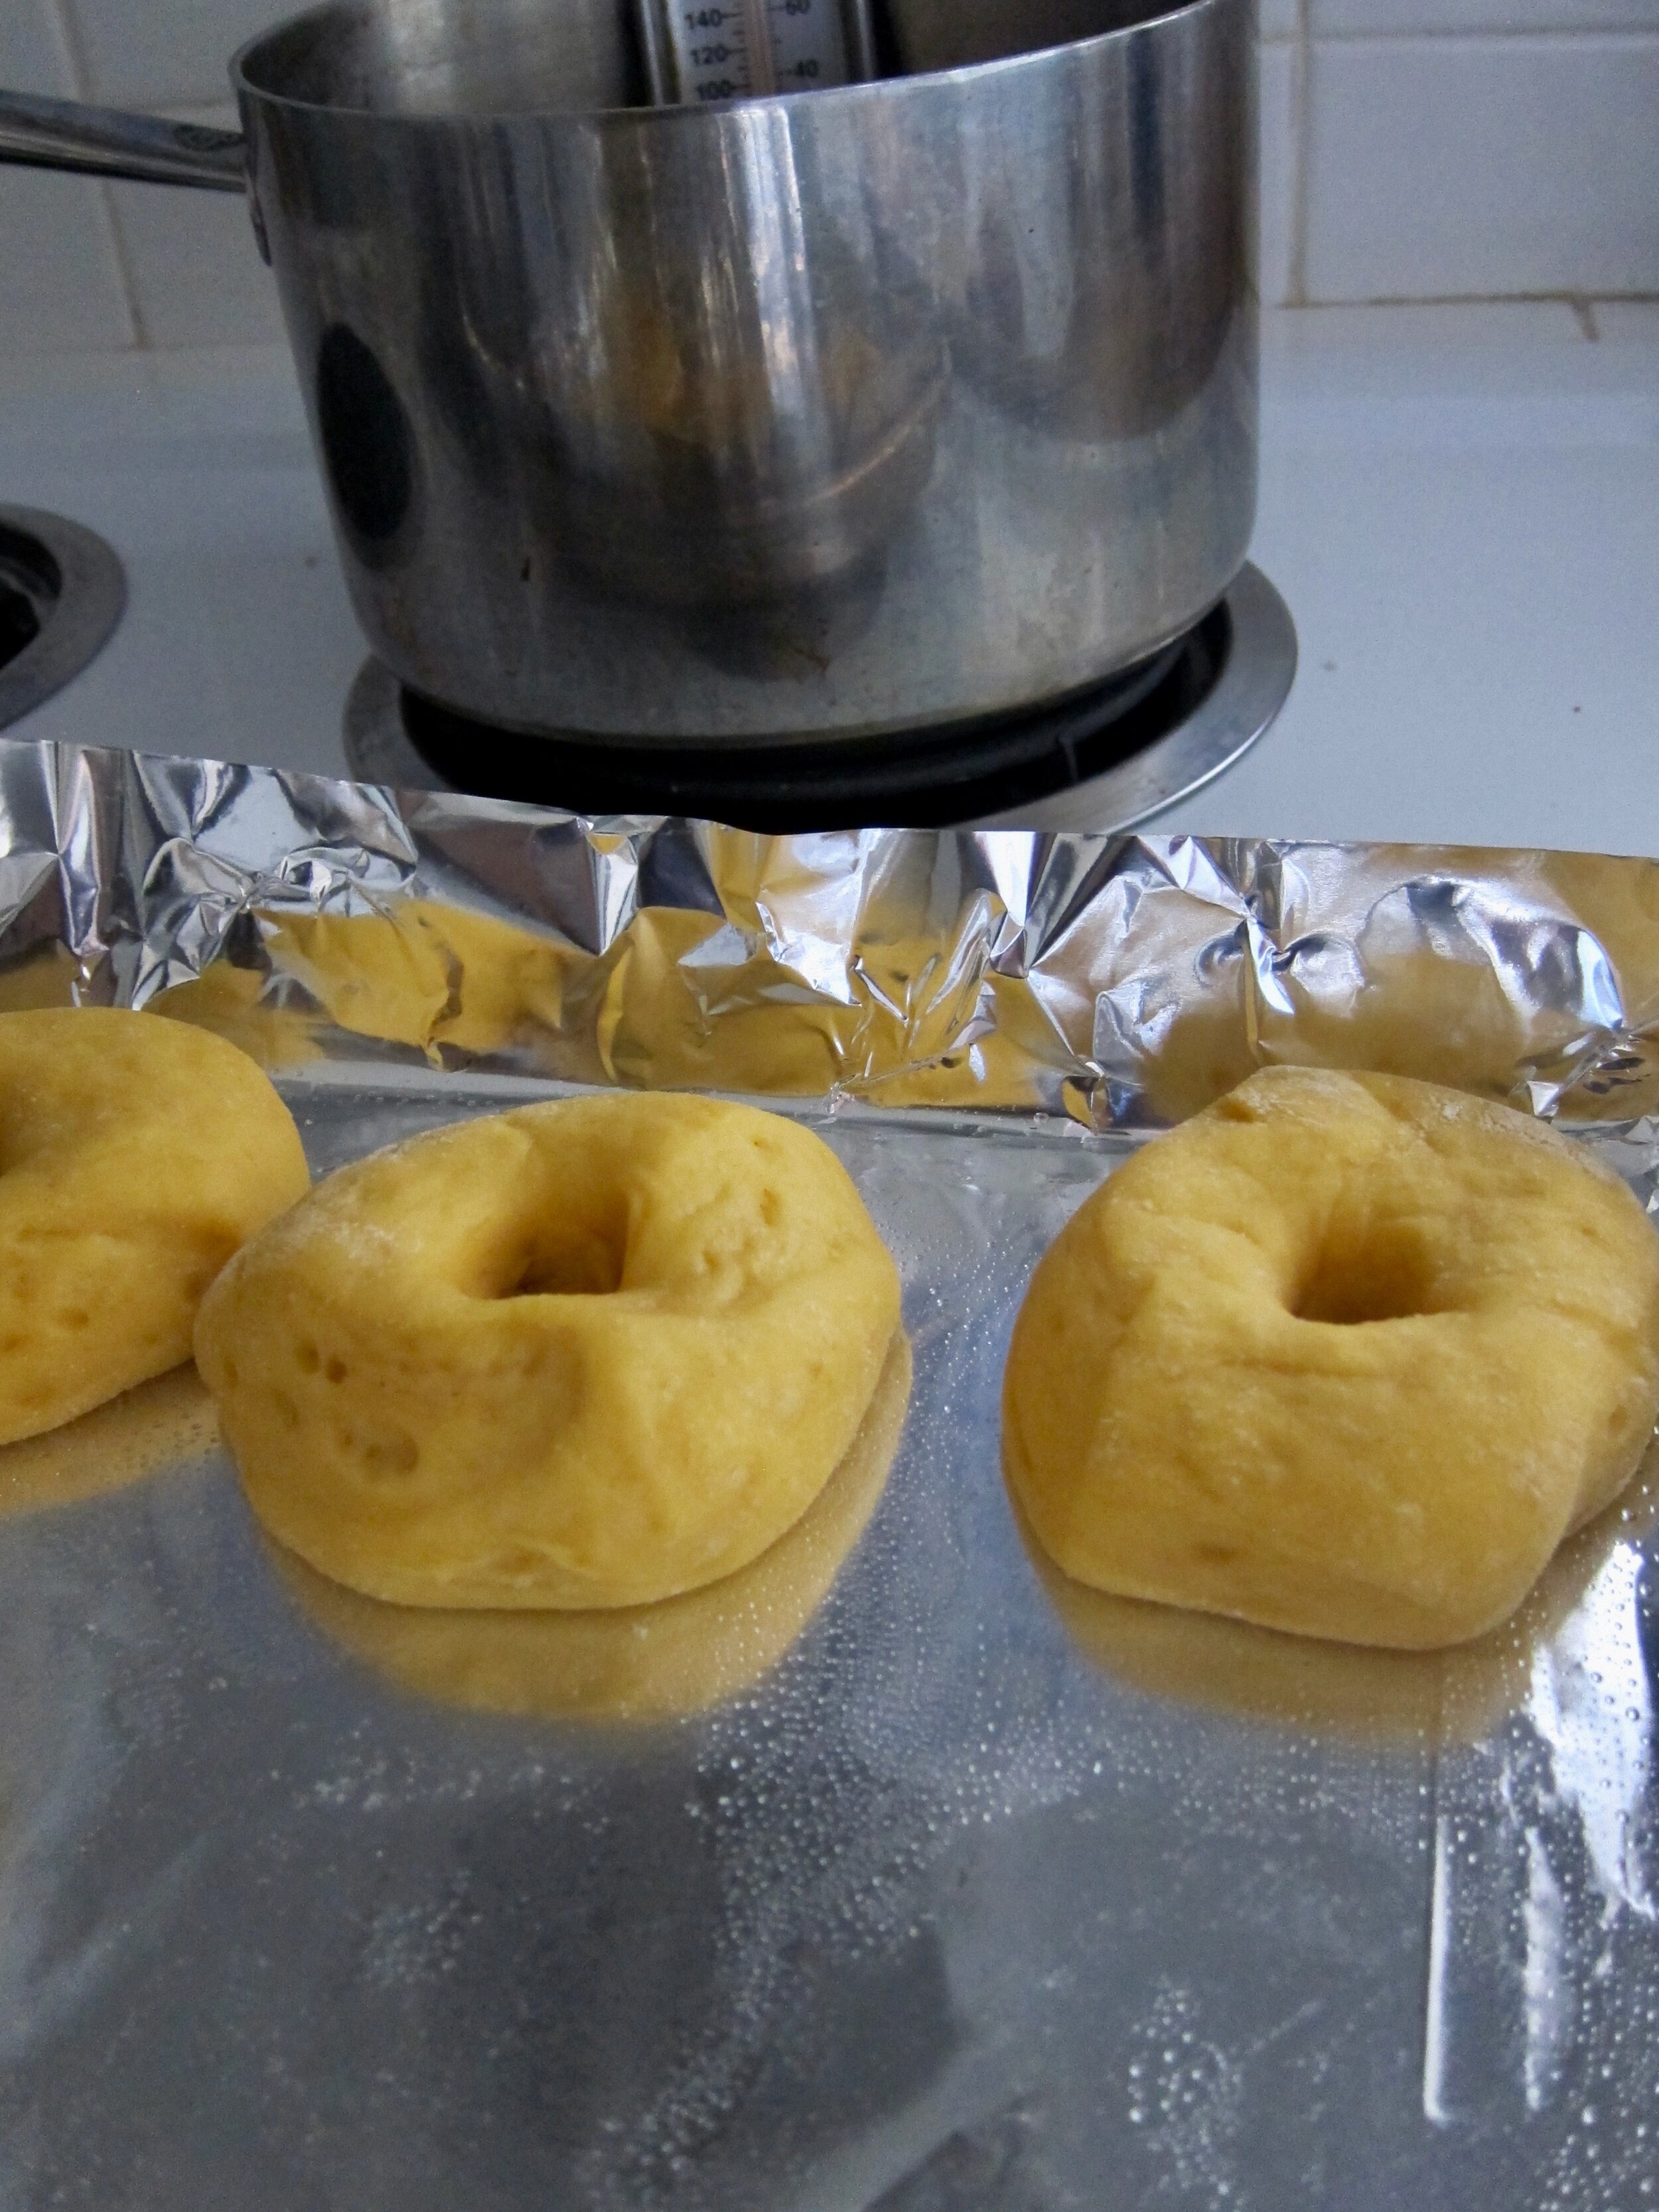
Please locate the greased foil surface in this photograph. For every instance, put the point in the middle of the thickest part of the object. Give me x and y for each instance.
(906, 1875)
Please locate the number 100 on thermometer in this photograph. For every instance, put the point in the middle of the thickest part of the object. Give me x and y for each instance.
(703, 50)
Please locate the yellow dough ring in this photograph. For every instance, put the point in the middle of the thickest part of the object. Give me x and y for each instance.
(1347, 1355)
(590, 1354)
(137, 1154)
(656, 1662)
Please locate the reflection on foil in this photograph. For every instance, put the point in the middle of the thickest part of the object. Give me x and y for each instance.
(1544, 1846)
(165, 1423)
(1591, 1704)
(1123, 981)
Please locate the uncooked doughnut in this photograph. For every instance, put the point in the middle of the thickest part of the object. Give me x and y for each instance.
(595, 1353)
(135, 1155)
(1460, 1694)
(1346, 1355)
(657, 1661)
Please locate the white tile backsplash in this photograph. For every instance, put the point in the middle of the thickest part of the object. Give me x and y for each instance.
(195, 274)
(1279, 18)
(164, 54)
(60, 284)
(1441, 168)
(195, 271)
(1629, 323)
(33, 54)
(1281, 131)
(1410, 150)
(1400, 18)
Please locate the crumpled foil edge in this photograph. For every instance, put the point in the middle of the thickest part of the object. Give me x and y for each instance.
(1117, 982)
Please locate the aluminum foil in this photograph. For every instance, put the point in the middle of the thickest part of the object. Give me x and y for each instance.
(912, 1877)
(1119, 980)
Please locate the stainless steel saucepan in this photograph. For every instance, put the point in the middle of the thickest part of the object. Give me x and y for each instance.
(866, 409)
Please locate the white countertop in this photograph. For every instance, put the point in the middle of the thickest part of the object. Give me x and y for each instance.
(1461, 504)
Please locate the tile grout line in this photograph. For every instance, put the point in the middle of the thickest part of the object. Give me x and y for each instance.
(69, 40)
(1582, 304)
(69, 34)
(1564, 35)
(1296, 274)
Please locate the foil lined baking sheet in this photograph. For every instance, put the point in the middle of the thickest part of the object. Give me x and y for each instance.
(900, 1875)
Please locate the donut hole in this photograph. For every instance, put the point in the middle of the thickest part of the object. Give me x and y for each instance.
(1373, 1274)
(565, 1259)
(590, 1267)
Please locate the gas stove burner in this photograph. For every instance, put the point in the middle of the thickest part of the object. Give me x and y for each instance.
(62, 591)
(1101, 761)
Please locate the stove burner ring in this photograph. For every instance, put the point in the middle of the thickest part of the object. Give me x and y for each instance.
(1101, 760)
(62, 593)
(920, 778)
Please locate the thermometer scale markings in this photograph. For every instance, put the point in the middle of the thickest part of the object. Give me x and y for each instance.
(717, 49)
(808, 44)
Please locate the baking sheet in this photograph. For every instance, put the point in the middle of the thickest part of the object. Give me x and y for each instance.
(989, 1892)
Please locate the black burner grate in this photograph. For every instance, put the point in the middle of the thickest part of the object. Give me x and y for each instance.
(61, 594)
(1101, 760)
(920, 779)
(20, 625)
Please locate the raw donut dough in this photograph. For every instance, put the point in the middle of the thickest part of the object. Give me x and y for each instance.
(1458, 1695)
(589, 1353)
(1346, 1355)
(657, 1661)
(135, 1155)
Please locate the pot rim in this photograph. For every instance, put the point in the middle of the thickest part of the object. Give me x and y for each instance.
(245, 61)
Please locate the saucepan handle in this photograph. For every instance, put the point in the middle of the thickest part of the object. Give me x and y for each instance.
(104, 141)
